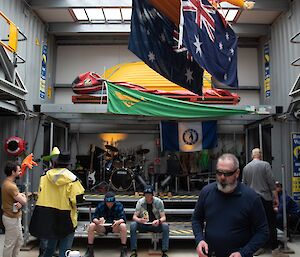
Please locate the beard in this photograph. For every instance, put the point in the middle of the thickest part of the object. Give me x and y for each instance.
(226, 187)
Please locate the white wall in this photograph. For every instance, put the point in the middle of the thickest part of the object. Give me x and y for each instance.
(248, 67)
(74, 60)
(249, 97)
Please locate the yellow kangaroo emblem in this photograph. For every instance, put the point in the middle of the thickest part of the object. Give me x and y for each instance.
(128, 100)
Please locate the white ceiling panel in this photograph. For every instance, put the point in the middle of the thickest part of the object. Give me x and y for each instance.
(55, 15)
(258, 17)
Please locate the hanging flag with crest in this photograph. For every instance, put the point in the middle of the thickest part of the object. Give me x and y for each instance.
(210, 40)
(188, 136)
(153, 39)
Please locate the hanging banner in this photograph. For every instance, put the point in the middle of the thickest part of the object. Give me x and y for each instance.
(267, 85)
(296, 165)
(188, 136)
(43, 72)
(123, 100)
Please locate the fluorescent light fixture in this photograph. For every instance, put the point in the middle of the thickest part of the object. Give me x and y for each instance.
(95, 13)
(80, 14)
(112, 13)
(126, 13)
(231, 15)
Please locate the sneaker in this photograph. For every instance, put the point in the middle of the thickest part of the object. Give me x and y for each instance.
(123, 252)
(259, 252)
(133, 254)
(164, 254)
(277, 253)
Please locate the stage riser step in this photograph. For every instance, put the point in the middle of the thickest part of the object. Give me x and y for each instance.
(135, 198)
(131, 211)
(178, 230)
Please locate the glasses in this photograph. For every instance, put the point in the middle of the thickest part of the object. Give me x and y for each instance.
(110, 199)
(225, 173)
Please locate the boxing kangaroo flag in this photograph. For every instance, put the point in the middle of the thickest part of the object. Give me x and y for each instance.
(188, 136)
(153, 39)
(210, 40)
(122, 100)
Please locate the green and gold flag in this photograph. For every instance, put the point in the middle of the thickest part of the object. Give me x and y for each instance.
(122, 100)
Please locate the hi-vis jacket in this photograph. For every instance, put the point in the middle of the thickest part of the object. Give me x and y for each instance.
(55, 213)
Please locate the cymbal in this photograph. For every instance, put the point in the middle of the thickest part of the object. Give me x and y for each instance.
(111, 148)
(142, 151)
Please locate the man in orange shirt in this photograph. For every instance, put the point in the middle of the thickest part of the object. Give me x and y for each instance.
(12, 202)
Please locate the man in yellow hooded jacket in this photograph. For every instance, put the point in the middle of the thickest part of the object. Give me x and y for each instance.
(55, 215)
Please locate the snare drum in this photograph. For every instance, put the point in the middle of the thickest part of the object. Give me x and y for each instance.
(121, 179)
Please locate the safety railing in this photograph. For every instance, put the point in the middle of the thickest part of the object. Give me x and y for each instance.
(296, 40)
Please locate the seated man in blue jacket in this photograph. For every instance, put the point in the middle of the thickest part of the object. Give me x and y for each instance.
(109, 217)
(292, 209)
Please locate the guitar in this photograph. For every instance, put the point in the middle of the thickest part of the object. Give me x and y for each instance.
(92, 172)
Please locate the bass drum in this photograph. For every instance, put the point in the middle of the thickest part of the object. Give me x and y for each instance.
(121, 179)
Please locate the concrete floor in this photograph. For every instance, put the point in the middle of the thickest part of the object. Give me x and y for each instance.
(110, 247)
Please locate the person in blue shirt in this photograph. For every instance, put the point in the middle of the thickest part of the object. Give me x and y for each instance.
(292, 209)
(109, 217)
(233, 214)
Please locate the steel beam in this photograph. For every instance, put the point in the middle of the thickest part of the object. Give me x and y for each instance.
(10, 91)
(38, 4)
(251, 30)
(267, 5)
(65, 28)
(272, 5)
(73, 108)
(69, 28)
(8, 106)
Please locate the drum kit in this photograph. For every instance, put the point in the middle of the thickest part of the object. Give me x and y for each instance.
(124, 169)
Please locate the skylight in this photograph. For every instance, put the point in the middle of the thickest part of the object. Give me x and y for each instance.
(95, 14)
(126, 13)
(123, 14)
(231, 14)
(80, 14)
(113, 14)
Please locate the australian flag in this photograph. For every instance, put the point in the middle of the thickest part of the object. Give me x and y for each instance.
(153, 38)
(210, 40)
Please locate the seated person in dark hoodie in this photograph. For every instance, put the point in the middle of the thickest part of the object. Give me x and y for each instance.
(292, 209)
(110, 212)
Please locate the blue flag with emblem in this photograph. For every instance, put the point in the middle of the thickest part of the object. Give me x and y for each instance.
(210, 40)
(188, 136)
(153, 39)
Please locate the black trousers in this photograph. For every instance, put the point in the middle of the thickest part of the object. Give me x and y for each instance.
(271, 217)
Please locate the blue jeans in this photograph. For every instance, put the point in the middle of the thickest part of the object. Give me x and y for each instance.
(163, 228)
(42, 247)
(64, 245)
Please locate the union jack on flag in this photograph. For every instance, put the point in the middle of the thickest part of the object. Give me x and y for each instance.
(210, 40)
(203, 15)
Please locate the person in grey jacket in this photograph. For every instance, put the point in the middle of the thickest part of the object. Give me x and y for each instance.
(257, 174)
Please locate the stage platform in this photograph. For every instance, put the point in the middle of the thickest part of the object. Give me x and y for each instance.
(178, 230)
(192, 198)
(178, 208)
